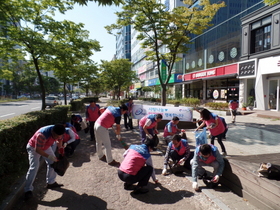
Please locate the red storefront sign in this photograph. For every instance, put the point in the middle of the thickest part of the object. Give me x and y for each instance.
(220, 71)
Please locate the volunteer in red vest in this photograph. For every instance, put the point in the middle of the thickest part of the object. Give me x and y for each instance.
(233, 106)
(112, 115)
(171, 128)
(148, 126)
(70, 141)
(92, 113)
(206, 155)
(43, 143)
(216, 127)
(179, 152)
(128, 115)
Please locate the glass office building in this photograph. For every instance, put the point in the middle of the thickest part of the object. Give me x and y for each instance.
(211, 63)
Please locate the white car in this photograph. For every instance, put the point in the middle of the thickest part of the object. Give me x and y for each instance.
(52, 101)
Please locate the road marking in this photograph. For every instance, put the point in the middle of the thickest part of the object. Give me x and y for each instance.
(36, 108)
(7, 115)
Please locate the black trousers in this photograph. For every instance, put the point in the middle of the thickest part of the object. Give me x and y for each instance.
(70, 148)
(142, 177)
(219, 137)
(129, 124)
(176, 157)
(91, 130)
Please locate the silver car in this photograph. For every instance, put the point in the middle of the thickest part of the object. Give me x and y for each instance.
(52, 101)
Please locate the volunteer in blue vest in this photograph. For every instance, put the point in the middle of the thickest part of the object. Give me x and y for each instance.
(206, 155)
(137, 167)
(179, 151)
(112, 115)
(128, 115)
(148, 126)
(43, 143)
(92, 113)
(70, 141)
(171, 128)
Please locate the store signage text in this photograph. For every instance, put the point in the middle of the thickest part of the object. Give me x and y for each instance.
(204, 74)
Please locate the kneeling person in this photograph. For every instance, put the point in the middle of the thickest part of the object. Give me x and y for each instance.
(179, 151)
(206, 155)
(137, 166)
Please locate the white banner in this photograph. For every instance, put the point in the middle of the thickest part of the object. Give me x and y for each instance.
(168, 112)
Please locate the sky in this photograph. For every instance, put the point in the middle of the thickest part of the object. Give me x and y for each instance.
(95, 18)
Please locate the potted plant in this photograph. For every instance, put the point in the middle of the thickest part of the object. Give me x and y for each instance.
(250, 103)
(244, 106)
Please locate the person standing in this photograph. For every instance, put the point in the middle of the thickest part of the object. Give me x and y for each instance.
(179, 151)
(233, 106)
(137, 167)
(128, 115)
(206, 155)
(148, 126)
(92, 113)
(43, 143)
(112, 115)
(215, 125)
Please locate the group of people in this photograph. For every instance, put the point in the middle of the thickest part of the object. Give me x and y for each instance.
(137, 166)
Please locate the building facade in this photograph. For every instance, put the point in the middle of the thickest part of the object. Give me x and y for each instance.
(259, 69)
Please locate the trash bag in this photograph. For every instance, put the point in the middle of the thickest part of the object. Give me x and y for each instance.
(61, 165)
(201, 137)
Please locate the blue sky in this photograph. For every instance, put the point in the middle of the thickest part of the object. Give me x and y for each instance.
(95, 18)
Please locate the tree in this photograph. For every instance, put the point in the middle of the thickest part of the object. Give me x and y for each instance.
(271, 2)
(100, 2)
(28, 24)
(159, 28)
(117, 74)
(73, 49)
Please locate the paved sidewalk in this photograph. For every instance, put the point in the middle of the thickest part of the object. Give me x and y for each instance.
(92, 184)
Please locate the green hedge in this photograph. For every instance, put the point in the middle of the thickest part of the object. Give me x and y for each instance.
(217, 105)
(15, 133)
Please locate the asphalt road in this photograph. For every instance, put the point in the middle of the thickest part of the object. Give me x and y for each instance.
(11, 109)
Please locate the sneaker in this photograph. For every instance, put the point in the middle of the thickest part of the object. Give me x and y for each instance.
(128, 186)
(224, 154)
(103, 158)
(114, 163)
(54, 185)
(28, 195)
(140, 190)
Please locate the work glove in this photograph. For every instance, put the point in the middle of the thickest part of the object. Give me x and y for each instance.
(150, 136)
(118, 137)
(65, 144)
(195, 186)
(215, 179)
(181, 161)
(182, 130)
(164, 171)
(61, 151)
(156, 131)
(52, 158)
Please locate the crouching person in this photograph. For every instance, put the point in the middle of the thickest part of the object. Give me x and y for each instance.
(70, 141)
(137, 167)
(206, 155)
(178, 150)
(43, 143)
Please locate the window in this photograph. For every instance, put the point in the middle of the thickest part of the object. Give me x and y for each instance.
(261, 32)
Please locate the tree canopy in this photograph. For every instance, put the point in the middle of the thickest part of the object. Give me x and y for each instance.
(159, 28)
(271, 2)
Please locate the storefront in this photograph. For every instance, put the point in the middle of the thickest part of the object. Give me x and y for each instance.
(268, 84)
(213, 84)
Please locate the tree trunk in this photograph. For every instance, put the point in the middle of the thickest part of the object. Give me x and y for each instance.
(35, 61)
(163, 94)
(64, 93)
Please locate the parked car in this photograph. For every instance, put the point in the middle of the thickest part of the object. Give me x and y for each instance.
(52, 101)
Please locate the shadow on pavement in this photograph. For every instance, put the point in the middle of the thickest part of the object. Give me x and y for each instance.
(72, 201)
(161, 195)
